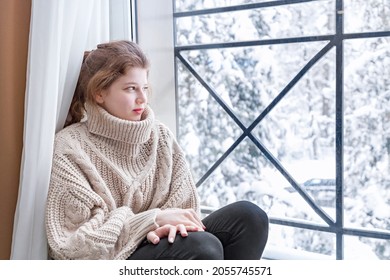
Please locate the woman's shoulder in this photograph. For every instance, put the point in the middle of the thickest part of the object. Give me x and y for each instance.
(167, 138)
(164, 131)
(70, 135)
(72, 130)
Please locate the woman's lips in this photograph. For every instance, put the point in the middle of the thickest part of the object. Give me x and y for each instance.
(138, 111)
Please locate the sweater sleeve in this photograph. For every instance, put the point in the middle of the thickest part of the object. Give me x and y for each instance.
(83, 223)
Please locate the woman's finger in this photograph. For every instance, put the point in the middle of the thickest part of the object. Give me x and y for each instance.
(161, 232)
(168, 231)
(195, 218)
(182, 229)
(152, 237)
(172, 234)
(193, 228)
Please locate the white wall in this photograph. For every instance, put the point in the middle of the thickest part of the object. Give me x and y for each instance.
(155, 36)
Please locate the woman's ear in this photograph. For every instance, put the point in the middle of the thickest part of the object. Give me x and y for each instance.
(99, 98)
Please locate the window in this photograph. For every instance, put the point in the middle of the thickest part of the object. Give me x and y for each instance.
(285, 103)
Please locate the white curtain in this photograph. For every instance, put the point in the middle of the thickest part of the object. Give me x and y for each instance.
(60, 32)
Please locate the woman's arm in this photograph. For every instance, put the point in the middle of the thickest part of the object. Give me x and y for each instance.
(82, 220)
(180, 212)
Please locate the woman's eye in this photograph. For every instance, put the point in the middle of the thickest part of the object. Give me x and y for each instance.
(130, 88)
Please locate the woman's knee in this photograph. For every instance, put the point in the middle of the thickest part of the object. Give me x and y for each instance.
(204, 246)
(251, 214)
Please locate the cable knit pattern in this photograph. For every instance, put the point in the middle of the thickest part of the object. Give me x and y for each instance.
(109, 179)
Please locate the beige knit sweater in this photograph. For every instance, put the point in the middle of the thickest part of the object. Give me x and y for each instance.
(109, 179)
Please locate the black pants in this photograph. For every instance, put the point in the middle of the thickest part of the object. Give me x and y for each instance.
(238, 231)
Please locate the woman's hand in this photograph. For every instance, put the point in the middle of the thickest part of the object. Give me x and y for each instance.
(170, 232)
(175, 220)
(176, 216)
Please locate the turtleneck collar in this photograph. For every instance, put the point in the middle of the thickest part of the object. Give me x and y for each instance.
(100, 122)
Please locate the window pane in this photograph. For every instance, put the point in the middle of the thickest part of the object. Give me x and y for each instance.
(363, 248)
(248, 79)
(246, 175)
(306, 19)
(297, 243)
(192, 5)
(367, 133)
(300, 132)
(206, 131)
(366, 16)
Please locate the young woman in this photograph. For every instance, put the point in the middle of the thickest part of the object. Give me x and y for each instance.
(120, 187)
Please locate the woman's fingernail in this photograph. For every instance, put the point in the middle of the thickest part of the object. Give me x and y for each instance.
(170, 239)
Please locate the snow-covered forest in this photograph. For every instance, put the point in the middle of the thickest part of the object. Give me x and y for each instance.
(300, 130)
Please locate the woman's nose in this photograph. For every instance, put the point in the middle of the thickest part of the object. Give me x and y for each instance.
(141, 97)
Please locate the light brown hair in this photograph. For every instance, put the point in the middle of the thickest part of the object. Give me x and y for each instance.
(99, 69)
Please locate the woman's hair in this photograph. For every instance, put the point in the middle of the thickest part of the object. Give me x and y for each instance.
(100, 68)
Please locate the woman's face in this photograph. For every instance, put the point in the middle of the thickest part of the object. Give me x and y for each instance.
(126, 98)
